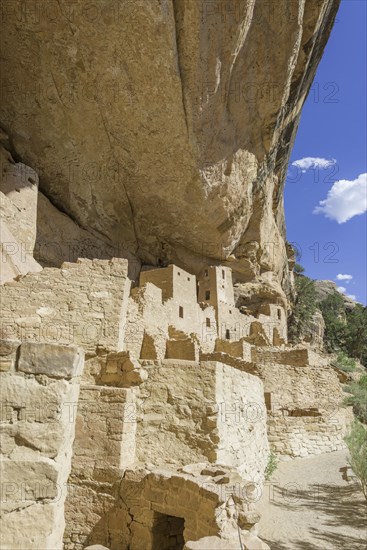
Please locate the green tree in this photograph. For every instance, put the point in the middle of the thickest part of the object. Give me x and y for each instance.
(333, 312)
(356, 333)
(303, 308)
(357, 445)
(299, 269)
(345, 329)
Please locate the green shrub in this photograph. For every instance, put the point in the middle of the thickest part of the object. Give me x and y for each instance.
(345, 363)
(357, 444)
(271, 466)
(358, 398)
(299, 269)
(345, 329)
(303, 308)
(356, 333)
(333, 312)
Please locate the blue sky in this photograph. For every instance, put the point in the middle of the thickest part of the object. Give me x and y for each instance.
(331, 146)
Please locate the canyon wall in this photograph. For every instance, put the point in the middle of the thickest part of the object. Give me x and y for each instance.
(163, 128)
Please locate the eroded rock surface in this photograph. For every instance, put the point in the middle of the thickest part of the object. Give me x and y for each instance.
(165, 125)
(327, 288)
(18, 209)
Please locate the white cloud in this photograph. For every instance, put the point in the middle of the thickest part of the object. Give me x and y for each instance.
(313, 162)
(342, 290)
(345, 200)
(341, 277)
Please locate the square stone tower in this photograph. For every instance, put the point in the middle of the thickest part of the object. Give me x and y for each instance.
(173, 281)
(216, 289)
(179, 296)
(215, 286)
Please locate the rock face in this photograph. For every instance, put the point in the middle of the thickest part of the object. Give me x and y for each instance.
(165, 126)
(326, 288)
(34, 232)
(18, 224)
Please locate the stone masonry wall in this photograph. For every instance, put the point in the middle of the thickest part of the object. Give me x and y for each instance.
(307, 387)
(178, 295)
(83, 303)
(165, 508)
(149, 315)
(167, 298)
(146, 315)
(207, 411)
(241, 421)
(302, 436)
(104, 445)
(39, 390)
(105, 429)
(304, 400)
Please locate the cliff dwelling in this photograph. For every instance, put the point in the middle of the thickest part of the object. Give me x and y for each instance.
(148, 375)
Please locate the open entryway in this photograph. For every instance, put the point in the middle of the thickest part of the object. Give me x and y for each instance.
(168, 532)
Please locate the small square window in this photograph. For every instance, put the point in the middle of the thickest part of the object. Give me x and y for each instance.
(207, 322)
(230, 311)
(207, 295)
(188, 278)
(178, 273)
(180, 312)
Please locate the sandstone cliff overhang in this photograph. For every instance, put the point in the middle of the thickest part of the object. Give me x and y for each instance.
(165, 126)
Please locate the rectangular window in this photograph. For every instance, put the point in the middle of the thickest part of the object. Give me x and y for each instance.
(207, 295)
(267, 397)
(207, 322)
(279, 314)
(206, 273)
(228, 334)
(223, 274)
(180, 312)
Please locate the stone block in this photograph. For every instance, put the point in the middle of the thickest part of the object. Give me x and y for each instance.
(55, 361)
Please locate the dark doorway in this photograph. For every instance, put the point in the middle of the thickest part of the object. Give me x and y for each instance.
(168, 532)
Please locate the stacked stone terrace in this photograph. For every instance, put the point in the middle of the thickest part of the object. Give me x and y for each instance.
(175, 377)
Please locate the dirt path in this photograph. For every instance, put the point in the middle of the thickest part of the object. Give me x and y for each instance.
(307, 505)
